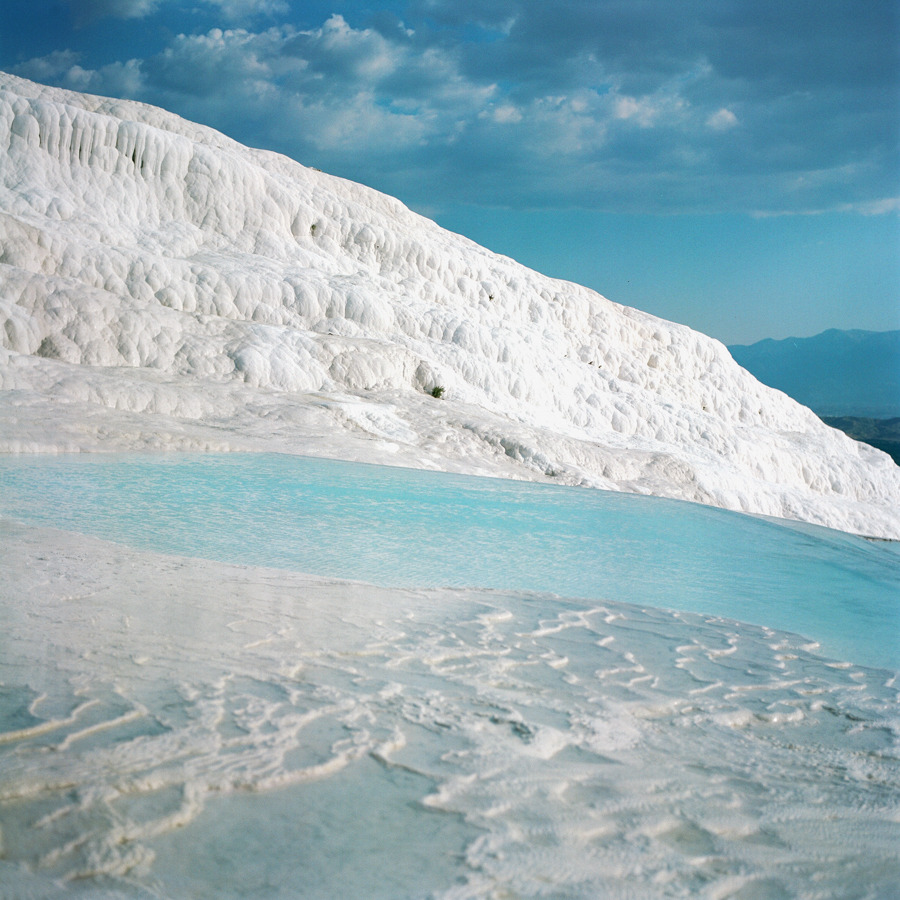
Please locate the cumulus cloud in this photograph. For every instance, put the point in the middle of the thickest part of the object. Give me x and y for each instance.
(87, 10)
(63, 68)
(813, 86)
(507, 113)
(48, 68)
(722, 119)
(644, 111)
(218, 64)
(338, 50)
(615, 104)
(244, 10)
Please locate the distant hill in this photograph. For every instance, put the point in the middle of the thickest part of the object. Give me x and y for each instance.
(836, 373)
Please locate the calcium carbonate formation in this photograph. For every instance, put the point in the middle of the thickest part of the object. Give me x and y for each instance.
(164, 286)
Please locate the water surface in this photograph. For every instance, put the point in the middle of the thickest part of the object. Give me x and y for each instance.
(412, 528)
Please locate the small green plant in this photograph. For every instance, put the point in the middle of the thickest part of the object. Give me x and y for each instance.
(437, 391)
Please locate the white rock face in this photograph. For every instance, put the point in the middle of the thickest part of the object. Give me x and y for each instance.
(163, 286)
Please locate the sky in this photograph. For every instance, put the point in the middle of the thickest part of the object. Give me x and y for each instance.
(733, 165)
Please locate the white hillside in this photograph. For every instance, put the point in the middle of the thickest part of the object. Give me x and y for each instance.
(161, 285)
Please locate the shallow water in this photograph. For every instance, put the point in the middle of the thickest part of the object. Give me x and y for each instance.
(178, 728)
(412, 528)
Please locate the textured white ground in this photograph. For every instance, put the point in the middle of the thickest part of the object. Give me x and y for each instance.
(163, 286)
(176, 728)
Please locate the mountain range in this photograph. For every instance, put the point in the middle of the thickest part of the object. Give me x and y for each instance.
(836, 373)
(163, 287)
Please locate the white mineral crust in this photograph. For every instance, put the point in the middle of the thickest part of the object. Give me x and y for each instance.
(162, 286)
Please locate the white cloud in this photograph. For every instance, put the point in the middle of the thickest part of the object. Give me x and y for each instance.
(567, 126)
(631, 108)
(242, 10)
(89, 10)
(120, 79)
(722, 120)
(224, 66)
(48, 68)
(507, 114)
(883, 207)
(625, 119)
(359, 125)
(646, 112)
(364, 52)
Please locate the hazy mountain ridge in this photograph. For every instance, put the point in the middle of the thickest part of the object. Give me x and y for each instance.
(835, 373)
(164, 286)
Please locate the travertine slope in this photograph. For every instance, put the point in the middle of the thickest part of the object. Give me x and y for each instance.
(163, 286)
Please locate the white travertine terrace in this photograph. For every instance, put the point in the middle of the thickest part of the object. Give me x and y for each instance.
(162, 286)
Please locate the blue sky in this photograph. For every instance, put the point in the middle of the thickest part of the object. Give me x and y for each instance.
(730, 164)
